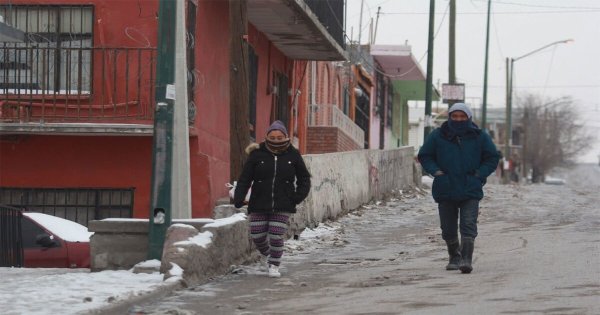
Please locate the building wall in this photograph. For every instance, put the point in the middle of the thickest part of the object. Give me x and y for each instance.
(270, 60)
(106, 161)
(209, 149)
(62, 161)
(30, 161)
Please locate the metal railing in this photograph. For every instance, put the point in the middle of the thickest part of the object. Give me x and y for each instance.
(56, 84)
(80, 205)
(331, 115)
(331, 14)
(11, 243)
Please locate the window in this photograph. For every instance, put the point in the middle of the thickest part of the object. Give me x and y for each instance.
(55, 56)
(30, 232)
(282, 109)
(80, 205)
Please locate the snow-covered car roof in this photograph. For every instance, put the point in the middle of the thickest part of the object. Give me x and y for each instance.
(65, 229)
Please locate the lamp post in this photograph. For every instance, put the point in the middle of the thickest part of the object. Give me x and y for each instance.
(510, 62)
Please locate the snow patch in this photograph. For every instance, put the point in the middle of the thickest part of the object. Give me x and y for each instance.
(202, 239)
(153, 263)
(227, 221)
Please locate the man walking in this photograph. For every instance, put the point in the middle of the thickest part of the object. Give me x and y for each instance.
(460, 157)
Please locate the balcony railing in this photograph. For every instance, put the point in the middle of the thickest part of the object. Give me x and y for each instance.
(331, 115)
(56, 84)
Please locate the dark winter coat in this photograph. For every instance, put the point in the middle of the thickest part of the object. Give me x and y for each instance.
(465, 160)
(279, 181)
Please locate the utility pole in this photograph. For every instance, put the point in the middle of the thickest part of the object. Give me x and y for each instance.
(485, 71)
(162, 144)
(239, 132)
(376, 25)
(362, 4)
(452, 48)
(181, 190)
(508, 119)
(429, 81)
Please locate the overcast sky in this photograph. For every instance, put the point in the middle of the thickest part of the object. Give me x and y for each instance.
(517, 28)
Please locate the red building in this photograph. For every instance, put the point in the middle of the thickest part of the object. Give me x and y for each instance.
(77, 96)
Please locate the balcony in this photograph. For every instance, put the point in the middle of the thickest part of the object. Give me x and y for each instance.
(302, 29)
(330, 130)
(46, 89)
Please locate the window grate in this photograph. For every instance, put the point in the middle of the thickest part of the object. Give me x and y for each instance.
(80, 205)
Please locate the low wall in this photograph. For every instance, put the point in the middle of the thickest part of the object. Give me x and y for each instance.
(340, 182)
(344, 181)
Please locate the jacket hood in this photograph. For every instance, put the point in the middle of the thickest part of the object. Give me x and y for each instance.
(251, 147)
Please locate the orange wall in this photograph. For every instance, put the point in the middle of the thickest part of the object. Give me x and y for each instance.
(270, 59)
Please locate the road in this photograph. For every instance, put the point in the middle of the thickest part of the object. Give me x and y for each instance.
(538, 252)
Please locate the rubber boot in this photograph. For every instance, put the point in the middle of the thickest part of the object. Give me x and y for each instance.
(453, 253)
(468, 243)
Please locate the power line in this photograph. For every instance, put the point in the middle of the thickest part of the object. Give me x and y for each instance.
(364, 59)
(541, 6)
(501, 12)
(578, 86)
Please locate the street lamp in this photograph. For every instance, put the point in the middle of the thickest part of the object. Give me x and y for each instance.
(509, 91)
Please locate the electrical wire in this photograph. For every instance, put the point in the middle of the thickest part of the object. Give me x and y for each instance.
(541, 6)
(366, 61)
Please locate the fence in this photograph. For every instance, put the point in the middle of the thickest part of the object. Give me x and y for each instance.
(60, 84)
(11, 244)
(80, 205)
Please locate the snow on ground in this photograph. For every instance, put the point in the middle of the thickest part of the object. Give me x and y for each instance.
(71, 291)
(68, 291)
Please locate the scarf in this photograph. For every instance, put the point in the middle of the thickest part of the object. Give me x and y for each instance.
(452, 129)
(459, 128)
(277, 147)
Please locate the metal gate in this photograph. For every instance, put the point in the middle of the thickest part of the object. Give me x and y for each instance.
(11, 244)
(80, 205)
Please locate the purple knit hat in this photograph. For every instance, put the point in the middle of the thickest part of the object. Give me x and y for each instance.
(278, 125)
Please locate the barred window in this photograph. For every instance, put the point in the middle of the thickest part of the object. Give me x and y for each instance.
(52, 57)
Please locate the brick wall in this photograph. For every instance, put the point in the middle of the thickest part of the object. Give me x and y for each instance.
(327, 139)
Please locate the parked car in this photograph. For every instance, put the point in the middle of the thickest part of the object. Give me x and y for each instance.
(53, 242)
(554, 181)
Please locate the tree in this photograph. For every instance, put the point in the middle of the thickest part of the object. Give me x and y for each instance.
(553, 134)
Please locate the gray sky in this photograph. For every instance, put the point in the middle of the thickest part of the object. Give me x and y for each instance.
(517, 28)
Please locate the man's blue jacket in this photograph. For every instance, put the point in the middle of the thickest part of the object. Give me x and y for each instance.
(466, 160)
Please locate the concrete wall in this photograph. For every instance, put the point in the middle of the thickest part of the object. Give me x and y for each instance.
(345, 180)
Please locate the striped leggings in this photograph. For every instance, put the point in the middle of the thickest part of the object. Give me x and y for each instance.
(267, 231)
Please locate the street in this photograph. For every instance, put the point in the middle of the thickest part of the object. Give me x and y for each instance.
(538, 252)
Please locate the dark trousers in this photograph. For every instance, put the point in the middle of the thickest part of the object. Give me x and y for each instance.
(451, 211)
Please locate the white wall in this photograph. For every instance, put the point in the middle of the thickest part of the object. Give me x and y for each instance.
(343, 181)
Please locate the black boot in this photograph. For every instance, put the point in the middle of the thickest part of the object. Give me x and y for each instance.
(468, 243)
(453, 253)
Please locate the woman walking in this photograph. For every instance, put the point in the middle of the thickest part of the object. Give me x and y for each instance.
(280, 180)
